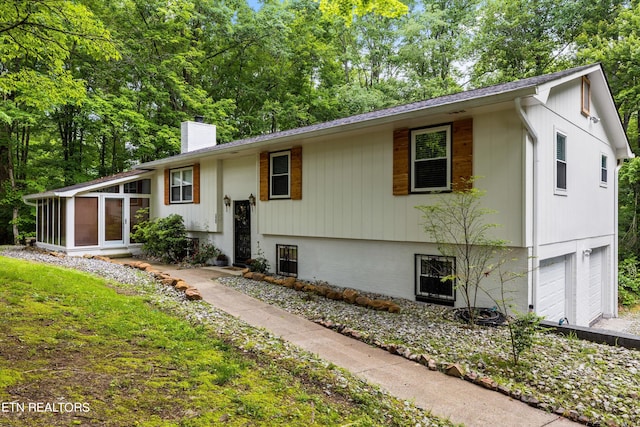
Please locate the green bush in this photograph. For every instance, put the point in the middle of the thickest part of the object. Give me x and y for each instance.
(522, 331)
(259, 264)
(629, 282)
(164, 238)
(204, 252)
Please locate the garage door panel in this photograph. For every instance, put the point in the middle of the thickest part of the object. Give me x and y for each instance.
(552, 289)
(595, 282)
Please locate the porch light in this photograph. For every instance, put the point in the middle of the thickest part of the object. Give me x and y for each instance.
(227, 201)
(252, 199)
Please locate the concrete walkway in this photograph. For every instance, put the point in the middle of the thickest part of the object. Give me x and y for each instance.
(448, 397)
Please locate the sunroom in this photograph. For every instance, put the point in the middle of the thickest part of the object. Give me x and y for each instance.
(96, 217)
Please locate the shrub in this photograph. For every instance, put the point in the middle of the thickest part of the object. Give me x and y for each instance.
(259, 264)
(164, 238)
(204, 253)
(522, 331)
(628, 282)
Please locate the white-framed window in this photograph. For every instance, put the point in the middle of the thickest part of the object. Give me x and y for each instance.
(280, 175)
(431, 159)
(182, 185)
(561, 162)
(604, 171)
(434, 279)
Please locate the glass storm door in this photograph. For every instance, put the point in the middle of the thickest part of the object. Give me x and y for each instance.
(113, 220)
(241, 231)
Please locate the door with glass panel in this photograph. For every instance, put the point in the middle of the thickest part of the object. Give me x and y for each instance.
(113, 220)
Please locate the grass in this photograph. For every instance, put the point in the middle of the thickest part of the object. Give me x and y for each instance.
(67, 336)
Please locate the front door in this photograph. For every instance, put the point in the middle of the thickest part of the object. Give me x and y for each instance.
(241, 231)
(113, 220)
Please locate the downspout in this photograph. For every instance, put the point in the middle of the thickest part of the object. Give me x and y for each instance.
(534, 262)
(614, 303)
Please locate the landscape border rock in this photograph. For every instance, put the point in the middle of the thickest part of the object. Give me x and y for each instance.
(191, 293)
(350, 296)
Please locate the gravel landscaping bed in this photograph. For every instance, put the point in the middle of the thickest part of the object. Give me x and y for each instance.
(333, 380)
(592, 383)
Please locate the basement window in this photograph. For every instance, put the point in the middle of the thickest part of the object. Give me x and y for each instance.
(434, 279)
(287, 260)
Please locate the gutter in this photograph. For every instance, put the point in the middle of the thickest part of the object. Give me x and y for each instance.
(534, 262)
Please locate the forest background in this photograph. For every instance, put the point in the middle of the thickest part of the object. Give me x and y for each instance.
(89, 88)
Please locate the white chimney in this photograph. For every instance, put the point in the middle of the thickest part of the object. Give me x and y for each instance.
(196, 135)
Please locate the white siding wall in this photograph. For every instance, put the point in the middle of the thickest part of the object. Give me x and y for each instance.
(347, 187)
(382, 266)
(201, 217)
(583, 218)
(587, 209)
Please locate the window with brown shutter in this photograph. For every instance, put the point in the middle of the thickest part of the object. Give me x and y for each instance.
(436, 158)
(281, 174)
(182, 185)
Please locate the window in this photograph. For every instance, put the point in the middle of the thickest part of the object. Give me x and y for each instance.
(142, 186)
(561, 162)
(586, 97)
(287, 262)
(433, 279)
(279, 174)
(430, 159)
(86, 225)
(138, 212)
(603, 170)
(182, 185)
(112, 189)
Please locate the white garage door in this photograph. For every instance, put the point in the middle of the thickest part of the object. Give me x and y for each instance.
(552, 289)
(595, 283)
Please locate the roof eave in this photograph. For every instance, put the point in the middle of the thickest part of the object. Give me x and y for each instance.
(87, 189)
(329, 129)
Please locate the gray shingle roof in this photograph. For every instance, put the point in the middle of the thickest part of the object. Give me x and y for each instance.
(502, 88)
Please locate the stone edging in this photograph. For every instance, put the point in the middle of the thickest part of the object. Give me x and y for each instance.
(347, 295)
(456, 370)
(191, 293)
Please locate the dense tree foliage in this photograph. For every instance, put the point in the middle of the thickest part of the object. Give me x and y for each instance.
(89, 87)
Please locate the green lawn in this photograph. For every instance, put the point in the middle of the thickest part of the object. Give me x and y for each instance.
(106, 356)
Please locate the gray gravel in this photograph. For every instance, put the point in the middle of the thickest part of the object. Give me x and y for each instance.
(578, 378)
(333, 379)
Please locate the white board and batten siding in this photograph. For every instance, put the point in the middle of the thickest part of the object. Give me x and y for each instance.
(347, 188)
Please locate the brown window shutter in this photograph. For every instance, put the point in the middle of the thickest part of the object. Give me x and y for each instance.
(401, 162)
(167, 181)
(196, 183)
(264, 176)
(296, 173)
(462, 155)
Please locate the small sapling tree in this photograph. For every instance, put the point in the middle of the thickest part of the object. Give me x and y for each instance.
(457, 224)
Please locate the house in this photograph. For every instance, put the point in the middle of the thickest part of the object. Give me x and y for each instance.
(336, 200)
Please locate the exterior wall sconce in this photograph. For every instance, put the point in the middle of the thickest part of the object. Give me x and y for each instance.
(252, 199)
(227, 202)
(586, 253)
